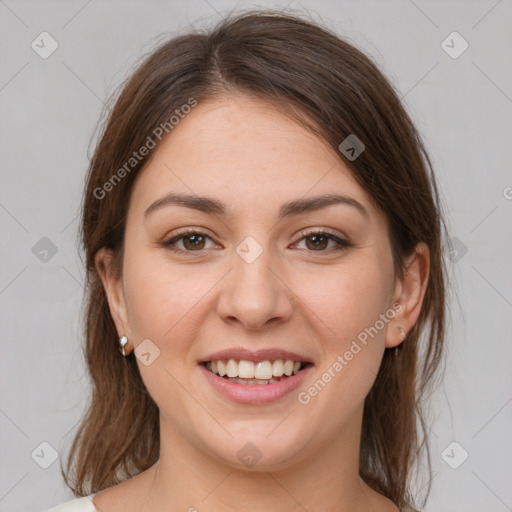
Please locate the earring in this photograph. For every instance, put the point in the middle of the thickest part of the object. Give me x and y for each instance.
(123, 340)
(402, 332)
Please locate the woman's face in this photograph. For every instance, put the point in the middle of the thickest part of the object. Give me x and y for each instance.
(254, 277)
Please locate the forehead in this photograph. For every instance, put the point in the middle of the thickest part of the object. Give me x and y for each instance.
(248, 154)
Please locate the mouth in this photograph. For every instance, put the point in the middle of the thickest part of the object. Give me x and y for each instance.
(255, 373)
(255, 382)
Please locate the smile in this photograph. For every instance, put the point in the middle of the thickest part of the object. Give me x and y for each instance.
(253, 373)
(249, 382)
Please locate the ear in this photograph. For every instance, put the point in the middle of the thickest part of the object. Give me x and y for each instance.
(409, 293)
(114, 290)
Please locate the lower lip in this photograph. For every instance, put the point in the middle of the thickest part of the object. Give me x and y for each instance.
(255, 394)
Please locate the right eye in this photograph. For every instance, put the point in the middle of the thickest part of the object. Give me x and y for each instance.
(193, 241)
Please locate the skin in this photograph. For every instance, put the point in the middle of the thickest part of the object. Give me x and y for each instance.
(294, 296)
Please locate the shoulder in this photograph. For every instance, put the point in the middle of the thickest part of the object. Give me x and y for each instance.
(84, 504)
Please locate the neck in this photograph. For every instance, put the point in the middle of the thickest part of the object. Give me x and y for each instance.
(325, 478)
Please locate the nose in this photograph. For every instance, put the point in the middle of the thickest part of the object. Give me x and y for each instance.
(255, 293)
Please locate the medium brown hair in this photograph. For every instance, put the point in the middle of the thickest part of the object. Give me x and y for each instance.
(334, 89)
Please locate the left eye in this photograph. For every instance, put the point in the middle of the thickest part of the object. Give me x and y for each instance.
(194, 241)
(320, 240)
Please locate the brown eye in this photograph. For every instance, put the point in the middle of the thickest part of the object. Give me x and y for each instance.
(192, 241)
(317, 242)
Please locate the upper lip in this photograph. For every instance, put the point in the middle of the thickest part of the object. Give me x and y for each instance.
(268, 354)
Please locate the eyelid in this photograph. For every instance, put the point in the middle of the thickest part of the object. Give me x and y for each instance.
(320, 230)
(168, 243)
(342, 242)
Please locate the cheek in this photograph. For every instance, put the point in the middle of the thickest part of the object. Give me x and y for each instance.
(156, 297)
(164, 299)
(348, 298)
(354, 298)
(363, 298)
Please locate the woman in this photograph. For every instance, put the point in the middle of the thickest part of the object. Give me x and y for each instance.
(263, 233)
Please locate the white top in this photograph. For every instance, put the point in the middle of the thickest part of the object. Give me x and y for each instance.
(83, 504)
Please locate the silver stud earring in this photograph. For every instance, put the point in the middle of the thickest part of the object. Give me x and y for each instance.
(123, 340)
(402, 332)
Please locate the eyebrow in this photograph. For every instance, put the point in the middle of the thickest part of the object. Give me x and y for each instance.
(215, 207)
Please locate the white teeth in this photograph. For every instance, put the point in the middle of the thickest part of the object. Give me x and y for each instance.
(288, 368)
(246, 369)
(278, 368)
(263, 370)
(252, 382)
(260, 371)
(221, 368)
(232, 368)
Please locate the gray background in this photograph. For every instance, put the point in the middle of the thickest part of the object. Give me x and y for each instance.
(49, 110)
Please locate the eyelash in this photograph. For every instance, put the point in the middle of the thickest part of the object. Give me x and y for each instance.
(342, 244)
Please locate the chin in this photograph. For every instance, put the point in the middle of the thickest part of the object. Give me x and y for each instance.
(258, 453)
